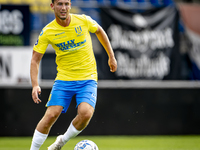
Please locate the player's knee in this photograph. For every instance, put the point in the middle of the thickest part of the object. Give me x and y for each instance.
(86, 115)
(85, 112)
(51, 117)
(48, 120)
(52, 113)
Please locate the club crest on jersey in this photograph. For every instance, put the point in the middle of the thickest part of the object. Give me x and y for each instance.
(78, 29)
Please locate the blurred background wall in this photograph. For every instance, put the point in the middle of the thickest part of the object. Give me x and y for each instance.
(154, 91)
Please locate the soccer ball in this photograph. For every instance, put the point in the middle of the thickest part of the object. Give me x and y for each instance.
(86, 145)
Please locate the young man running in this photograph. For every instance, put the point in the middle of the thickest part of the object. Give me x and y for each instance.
(69, 35)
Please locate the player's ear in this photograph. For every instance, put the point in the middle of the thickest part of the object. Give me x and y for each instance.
(52, 6)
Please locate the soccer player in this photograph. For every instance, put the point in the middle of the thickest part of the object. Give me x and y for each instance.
(69, 35)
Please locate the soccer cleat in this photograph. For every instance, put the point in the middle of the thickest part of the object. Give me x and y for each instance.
(57, 145)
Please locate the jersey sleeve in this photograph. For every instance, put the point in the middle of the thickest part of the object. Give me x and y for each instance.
(92, 24)
(42, 43)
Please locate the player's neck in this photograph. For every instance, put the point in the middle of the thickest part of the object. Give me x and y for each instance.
(65, 22)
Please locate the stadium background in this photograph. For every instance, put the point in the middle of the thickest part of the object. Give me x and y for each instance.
(126, 105)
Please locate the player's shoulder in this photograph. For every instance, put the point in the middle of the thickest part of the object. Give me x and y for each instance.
(80, 16)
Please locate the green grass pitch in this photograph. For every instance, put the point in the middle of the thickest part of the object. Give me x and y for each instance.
(187, 142)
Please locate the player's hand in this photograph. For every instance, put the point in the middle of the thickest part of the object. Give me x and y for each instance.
(112, 64)
(36, 91)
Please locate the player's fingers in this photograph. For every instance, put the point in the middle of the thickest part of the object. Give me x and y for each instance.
(36, 97)
(112, 69)
(39, 91)
(38, 101)
(39, 96)
(112, 64)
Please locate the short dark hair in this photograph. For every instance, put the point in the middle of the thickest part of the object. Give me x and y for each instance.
(54, 0)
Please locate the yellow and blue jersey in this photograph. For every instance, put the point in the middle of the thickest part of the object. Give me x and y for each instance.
(73, 47)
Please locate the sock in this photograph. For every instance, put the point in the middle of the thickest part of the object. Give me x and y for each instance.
(38, 140)
(70, 133)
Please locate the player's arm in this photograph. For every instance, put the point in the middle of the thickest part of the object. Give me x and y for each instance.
(35, 61)
(103, 38)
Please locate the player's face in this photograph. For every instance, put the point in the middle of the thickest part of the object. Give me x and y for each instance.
(61, 8)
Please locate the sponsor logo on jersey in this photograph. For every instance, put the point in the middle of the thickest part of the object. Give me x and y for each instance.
(70, 45)
(59, 33)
